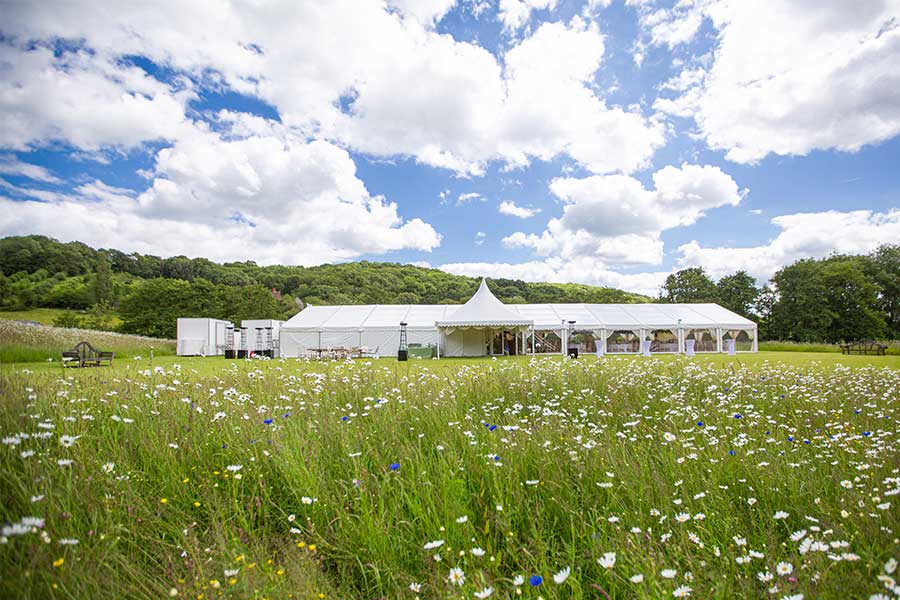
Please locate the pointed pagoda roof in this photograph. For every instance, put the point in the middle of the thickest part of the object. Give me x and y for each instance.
(484, 310)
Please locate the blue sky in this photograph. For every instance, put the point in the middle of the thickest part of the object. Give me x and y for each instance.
(603, 141)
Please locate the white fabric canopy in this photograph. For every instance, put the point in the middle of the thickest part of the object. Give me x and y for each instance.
(484, 310)
(461, 329)
(544, 316)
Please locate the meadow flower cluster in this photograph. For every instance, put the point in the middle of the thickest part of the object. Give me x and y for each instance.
(20, 342)
(540, 478)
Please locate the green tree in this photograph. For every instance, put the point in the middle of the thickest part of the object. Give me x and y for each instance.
(153, 307)
(852, 300)
(738, 293)
(102, 288)
(801, 313)
(885, 272)
(762, 308)
(689, 286)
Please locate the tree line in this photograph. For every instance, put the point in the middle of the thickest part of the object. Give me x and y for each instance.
(839, 298)
(836, 299)
(149, 292)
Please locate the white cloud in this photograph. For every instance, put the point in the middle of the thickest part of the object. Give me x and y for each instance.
(600, 211)
(424, 11)
(468, 197)
(10, 165)
(803, 235)
(614, 221)
(277, 200)
(551, 109)
(515, 13)
(480, 237)
(83, 100)
(672, 26)
(788, 78)
(508, 207)
(386, 85)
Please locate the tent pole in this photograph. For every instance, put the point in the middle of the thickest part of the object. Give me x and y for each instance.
(532, 340)
(438, 345)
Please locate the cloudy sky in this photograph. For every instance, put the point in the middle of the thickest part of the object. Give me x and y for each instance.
(606, 142)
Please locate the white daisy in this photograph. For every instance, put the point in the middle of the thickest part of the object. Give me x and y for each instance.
(560, 578)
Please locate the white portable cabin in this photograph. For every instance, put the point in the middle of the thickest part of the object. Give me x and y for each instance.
(201, 337)
(255, 343)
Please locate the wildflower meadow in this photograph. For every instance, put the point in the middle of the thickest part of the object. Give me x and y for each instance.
(533, 478)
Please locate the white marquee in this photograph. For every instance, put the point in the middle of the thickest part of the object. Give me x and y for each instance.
(377, 326)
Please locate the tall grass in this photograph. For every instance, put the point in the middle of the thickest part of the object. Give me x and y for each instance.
(341, 473)
(35, 343)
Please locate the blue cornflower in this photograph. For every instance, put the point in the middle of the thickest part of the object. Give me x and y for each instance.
(496, 457)
(768, 433)
(731, 452)
(857, 411)
(738, 416)
(395, 466)
(699, 423)
(536, 580)
(806, 442)
(285, 415)
(790, 438)
(492, 427)
(345, 418)
(268, 421)
(867, 433)
(223, 445)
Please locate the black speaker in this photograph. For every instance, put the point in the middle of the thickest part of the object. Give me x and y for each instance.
(573, 352)
(229, 354)
(402, 355)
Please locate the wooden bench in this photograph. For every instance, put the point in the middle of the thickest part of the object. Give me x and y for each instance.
(84, 355)
(863, 347)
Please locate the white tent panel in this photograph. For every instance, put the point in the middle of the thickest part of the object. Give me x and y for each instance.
(580, 313)
(384, 342)
(649, 315)
(311, 317)
(388, 316)
(349, 317)
(612, 316)
(295, 342)
(544, 316)
(453, 343)
(340, 338)
(425, 315)
(464, 342)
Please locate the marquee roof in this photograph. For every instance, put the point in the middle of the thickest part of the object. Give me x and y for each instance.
(484, 310)
(544, 316)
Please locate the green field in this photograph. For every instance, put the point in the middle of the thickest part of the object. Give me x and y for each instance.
(209, 478)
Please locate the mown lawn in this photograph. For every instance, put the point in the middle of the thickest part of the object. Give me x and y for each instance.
(770, 475)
